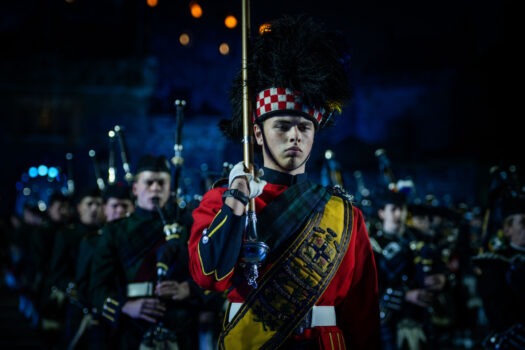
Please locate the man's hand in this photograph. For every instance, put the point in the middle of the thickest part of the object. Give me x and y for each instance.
(435, 282)
(255, 185)
(420, 297)
(147, 309)
(173, 290)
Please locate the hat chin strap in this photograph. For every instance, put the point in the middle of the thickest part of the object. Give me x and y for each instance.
(265, 145)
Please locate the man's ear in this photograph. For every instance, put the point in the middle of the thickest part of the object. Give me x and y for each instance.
(134, 188)
(257, 132)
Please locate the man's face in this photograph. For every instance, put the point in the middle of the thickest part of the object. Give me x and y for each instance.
(59, 211)
(150, 187)
(393, 217)
(116, 208)
(514, 229)
(422, 223)
(289, 139)
(90, 211)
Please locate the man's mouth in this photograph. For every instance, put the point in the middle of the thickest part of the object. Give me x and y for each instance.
(293, 150)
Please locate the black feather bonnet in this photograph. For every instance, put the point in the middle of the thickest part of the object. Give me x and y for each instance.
(295, 66)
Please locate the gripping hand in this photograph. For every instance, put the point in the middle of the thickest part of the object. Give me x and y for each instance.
(255, 184)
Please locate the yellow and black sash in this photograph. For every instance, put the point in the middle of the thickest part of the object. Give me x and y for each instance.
(294, 283)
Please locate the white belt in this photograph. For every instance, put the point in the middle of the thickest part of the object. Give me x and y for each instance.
(139, 289)
(321, 315)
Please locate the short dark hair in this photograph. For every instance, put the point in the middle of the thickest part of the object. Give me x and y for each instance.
(117, 190)
(87, 192)
(154, 163)
(390, 197)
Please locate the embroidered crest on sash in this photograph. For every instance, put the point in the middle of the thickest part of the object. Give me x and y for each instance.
(296, 281)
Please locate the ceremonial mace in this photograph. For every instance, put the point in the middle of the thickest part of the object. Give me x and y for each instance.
(254, 252)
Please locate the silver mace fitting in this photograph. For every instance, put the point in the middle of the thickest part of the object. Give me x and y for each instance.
(254, 253)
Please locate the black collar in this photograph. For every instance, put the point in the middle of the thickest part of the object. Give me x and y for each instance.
(278, 178)
(146, 214)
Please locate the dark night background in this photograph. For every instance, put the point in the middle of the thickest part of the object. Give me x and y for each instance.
(434, 85)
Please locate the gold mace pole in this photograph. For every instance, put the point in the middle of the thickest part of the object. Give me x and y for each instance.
(247, 127)
(254, 251)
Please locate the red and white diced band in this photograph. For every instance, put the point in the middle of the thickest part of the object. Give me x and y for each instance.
(284, 99)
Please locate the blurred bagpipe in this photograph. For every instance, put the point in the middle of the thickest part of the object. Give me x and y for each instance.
(118, 133)
(176, 225)
(207, 178)
(389, 183)
(332, 174)
(40, 182)
(176, 217)
(389, 180)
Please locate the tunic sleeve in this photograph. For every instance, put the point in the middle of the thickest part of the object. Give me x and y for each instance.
(104, 276)
(215, 242)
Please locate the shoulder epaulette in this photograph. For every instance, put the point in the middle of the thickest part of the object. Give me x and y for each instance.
(338, 191)
(220, 183)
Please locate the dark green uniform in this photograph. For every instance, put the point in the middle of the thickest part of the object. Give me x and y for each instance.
(501, 286)
(83, 327)
(62, 276)
(124, 267)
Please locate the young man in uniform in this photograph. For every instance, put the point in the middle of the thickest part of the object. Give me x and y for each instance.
(501, 280)
(83, 328)
(126, 286)
(118, 201)
(90, 217)
(317, 288)
(406, 296)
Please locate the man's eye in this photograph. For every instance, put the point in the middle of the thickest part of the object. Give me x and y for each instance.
(306, 126)
(151, 182)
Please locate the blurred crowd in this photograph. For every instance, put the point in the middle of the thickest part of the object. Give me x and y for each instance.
(449, 277)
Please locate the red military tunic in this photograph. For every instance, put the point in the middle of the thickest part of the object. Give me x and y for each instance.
(353, 290)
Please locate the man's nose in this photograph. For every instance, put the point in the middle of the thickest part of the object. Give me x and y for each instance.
(295, 134)
(156, 185)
